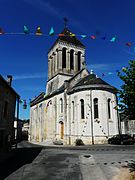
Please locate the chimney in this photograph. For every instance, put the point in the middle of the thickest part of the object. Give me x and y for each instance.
(9, 80)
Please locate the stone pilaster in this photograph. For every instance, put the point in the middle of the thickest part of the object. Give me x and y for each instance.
(60, 59)
(55, 59)
(50, 66)
(53, 63)
(83, 63)
(68, 61)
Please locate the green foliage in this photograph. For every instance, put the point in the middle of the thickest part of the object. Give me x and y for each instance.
(127, 92)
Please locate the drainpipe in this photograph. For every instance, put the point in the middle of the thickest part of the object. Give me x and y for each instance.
(91, 117)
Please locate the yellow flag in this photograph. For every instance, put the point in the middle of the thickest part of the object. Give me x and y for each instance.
(38, 32)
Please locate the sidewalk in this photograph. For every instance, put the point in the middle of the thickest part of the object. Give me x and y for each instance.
(86, 147)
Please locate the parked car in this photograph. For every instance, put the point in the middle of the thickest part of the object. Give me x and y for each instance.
(121, 139)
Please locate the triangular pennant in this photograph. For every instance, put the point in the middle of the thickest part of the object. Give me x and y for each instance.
(38, 32)
(83, 36)
(113, 39)
(71, 34)
(25, 29)
(129, 44)
(51, 33)
(61, 34)
(93, 37)
(110, 73)
(1, 31)
(104, 37)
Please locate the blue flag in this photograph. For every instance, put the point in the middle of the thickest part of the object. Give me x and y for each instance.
(51, 33)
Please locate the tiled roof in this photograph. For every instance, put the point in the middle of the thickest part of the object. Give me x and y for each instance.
(91, 79)
(92, 82)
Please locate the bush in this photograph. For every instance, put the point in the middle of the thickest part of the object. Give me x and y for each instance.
(79, 142)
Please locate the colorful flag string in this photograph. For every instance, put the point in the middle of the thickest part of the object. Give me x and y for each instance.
(38, 32)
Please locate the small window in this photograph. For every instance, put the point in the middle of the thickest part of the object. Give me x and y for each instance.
(82, 108)
(73, 108)
(61, 105)
(109, 110)
(63, 58)
(79, 60)
(71, 59)
(95, 108)
(5, 109)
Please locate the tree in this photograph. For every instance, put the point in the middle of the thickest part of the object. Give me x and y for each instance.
(127, 92)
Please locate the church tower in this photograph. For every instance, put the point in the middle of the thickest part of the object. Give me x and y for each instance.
(65, 58)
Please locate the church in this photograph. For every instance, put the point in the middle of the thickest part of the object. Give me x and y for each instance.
(77, 103)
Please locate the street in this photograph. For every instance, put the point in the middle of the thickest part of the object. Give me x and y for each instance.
(92, 162)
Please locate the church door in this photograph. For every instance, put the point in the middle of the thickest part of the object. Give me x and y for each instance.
(62, 130)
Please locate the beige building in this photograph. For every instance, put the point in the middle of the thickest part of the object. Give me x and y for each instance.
(77, 103)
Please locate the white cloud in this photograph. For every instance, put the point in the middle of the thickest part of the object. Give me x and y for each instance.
(29, 76)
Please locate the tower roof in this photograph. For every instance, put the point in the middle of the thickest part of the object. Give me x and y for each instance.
(68, 38)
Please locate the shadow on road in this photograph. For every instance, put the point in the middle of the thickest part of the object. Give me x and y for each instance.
(18, 158)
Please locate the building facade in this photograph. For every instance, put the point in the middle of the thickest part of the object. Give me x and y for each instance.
(8, 98)
(77, 103)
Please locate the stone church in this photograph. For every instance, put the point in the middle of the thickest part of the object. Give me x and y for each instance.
(77, 103)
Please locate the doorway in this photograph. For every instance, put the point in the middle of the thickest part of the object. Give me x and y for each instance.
(61, 130)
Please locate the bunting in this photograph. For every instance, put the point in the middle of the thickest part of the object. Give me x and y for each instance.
(38, 32)
(51, 33)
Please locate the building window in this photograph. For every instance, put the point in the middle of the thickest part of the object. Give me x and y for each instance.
(96, 108)
(63, 58)
(82, 108)
(79, 60)
(71, 59)
(5, 109)
(61, 105)
(109, 110)
(73, 108)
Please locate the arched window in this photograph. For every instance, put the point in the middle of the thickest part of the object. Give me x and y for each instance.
(64, 58)
(71, 59)
(73, 109)
(61, 105)
(79, 60)
(82, 108)
(95, 108)
(109, 110)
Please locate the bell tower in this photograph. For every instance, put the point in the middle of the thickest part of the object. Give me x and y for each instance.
(65, 58)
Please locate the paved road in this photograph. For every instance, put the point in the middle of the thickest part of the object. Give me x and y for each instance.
(98, 162)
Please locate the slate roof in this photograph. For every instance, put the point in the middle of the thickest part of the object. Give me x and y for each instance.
(92, 82)
(69, 39)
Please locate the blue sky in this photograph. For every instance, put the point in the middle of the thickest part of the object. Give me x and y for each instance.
(25, 56)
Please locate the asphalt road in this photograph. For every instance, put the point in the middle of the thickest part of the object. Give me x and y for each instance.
(95, 162)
